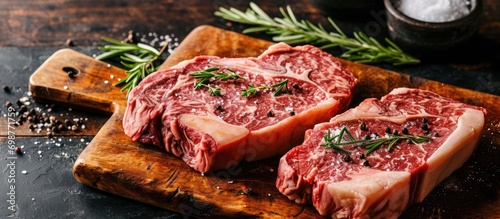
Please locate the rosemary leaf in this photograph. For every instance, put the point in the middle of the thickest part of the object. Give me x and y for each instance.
(138, 59)
(336, 142)
(361, 48)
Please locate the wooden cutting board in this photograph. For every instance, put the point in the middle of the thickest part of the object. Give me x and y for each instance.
(115, 164)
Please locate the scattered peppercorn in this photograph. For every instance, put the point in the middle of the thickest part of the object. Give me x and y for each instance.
(362, 127)
(296, 87)
(270, 114)
(69, 42)
(404, 131)
(367, 137)
(437, 134)
(32, 112)
(23, 118)
(6, 89)
(23, 109)
(424, 126)
(362, 156)
(219, 108)
(424, 120)
(8, 104)
(347, 158)
(68, 122)
(366, 163)
(61, 127)
(395, 132)
(388, 130)
(292, 113)
(18, 151)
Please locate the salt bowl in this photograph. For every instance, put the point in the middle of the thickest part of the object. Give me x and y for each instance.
(426, 26)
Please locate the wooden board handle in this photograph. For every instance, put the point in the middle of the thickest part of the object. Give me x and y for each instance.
(91, 88)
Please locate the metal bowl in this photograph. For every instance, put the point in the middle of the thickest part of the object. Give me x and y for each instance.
(430, 37)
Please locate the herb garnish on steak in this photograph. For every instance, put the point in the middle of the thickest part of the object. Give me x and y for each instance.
(217, 129)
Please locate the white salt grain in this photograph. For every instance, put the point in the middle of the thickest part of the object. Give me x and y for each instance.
(436, 10)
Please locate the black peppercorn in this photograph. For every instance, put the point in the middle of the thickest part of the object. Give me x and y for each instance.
(367, 137)
(297, 87)
(61, 127)
(366, 163)
(395, 132)
(292, 113)
(362, 156)
(6, 89)
(18, 151)
(32, 112)
(23, 117)
(424, 120)
(388, 130)
(23, 109)
(424, 126)
(219, 108)
(68, 122)
(404, 131)
(362, 126)
(8, 104)
(437, 135)
(270, 114)
(347, 158)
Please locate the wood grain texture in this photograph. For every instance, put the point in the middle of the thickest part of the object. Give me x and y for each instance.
(115, 164)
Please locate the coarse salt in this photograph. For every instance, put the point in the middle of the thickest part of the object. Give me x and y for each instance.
(436, 10)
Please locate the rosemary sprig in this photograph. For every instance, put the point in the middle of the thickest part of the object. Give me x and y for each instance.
(332, 142)
(336, 142)
(210, 75)
(252, 90)
(138, 59)
(288, 29)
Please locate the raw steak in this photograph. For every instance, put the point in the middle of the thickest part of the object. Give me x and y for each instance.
(215, 132)
(383, 183)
